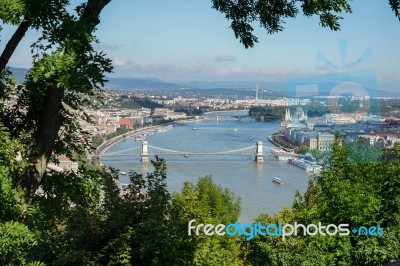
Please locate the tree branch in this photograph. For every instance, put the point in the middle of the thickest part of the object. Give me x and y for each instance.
(395, 5)
(92, 12)
(13, 43)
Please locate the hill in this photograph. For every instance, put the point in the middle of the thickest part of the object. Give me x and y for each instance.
(326, 86)
(140, 83)
(19, 73)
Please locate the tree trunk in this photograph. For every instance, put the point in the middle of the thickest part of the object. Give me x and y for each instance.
(47, 130)
(13, 43)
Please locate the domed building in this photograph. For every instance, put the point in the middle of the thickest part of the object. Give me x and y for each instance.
(297, 120)
(300, 115)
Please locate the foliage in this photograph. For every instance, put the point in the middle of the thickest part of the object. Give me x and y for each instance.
(189, 111)
(137, 103)
(141, 226)
(271, 15)
(321, 157)
(9, 195)
(206, 202)
(302, 149)
(16, 238)
(11, 11)
(317, 110)
(349, 192)
(272, 112)
(97, 140)
(15, 241)
(118, 132)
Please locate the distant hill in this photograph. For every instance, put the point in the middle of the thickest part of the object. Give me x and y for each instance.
(19, 73)
(273, 86)
(288, 88)
(140, 83)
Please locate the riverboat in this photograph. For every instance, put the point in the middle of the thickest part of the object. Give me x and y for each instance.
(277, 180)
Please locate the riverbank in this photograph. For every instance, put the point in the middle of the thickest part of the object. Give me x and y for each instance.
(109, 143)
(226, 111)
(273, 138)
(309, 165)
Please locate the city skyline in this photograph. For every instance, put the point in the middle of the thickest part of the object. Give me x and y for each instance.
(182, 41)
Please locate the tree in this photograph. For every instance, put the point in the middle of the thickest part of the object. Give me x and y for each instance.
(355, 193)
(271, 14)
(67, 71)
(205, 202)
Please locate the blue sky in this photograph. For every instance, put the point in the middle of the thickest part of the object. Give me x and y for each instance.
(185, 40)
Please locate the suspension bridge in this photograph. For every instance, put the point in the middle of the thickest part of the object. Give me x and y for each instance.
(146, 150)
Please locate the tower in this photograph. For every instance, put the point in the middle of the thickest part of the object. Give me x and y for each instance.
(287, 115)
(259, 156)
(145, 152)
(257, 94)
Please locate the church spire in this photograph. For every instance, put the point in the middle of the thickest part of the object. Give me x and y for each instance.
(287, 114)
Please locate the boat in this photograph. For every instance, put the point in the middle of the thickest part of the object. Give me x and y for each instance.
(250, 137)
(194, 128)
(186, 155)
(139, 138)
(277, 180)
(165, 128)
(235, 129)
(122, 173)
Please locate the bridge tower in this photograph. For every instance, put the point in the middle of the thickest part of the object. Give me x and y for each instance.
(259, 152)
(145, 152)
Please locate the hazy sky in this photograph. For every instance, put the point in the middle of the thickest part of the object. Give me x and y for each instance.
(185, 40)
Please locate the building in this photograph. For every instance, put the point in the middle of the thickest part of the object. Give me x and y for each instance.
(380, 140)
(67, 164)
(339, 119)
(325, 141)
(311, 142)
(130, 122)
(298, 119)
(175, 115)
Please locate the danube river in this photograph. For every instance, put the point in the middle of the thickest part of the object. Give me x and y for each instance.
(249, 180)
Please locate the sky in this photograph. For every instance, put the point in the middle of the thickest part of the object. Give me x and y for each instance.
(187, 40)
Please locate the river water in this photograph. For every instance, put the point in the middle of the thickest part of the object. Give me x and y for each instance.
(249, 180)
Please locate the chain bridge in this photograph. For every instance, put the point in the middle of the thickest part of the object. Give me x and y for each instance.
(146, 150)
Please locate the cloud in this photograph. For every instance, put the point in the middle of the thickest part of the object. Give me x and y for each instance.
(225, 58)
(198, 71)
(108, 46)
(121, 62)
(222, 72)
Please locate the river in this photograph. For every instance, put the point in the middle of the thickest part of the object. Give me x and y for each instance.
(249, 180)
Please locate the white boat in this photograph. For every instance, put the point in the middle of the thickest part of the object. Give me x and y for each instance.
(186, 155)
(122, 173)
(139, 138)
(277, 180)
(235, 129)
(194, 128)
(165, 128)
